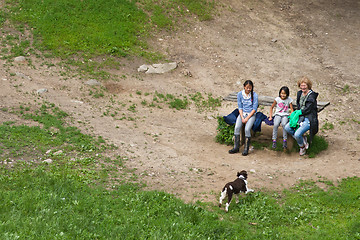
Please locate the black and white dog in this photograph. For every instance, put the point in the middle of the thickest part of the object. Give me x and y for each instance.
(235, 187)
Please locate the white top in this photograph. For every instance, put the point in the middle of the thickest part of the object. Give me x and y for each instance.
(282, 106)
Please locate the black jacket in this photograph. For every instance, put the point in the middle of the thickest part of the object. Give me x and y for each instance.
(309, 111)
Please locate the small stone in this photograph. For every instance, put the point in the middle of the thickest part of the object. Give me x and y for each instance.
(20, 59)
(93, 82)
(48, 160)
(42, 90)
(58, 152)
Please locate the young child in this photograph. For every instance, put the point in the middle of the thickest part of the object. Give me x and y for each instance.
(283, 109)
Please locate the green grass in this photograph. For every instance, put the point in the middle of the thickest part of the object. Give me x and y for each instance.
(53, 133)
(93, 36)
(41, 204)
(203, 104)
(182, 102)
(100, 27)
(67, 27)
(85, 195)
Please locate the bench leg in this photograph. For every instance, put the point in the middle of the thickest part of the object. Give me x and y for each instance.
(242, 137)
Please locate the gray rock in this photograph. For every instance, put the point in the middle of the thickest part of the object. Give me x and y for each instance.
(41, 91)
(93, 82)
(143, 68)
(158, 68)
(20, 59)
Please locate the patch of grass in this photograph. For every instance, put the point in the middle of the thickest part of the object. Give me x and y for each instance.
(182, 102)
(92, 35)
(17, 141)
(178, 103)
(327, 126)
(95, 28)
(2, 18)
(346, 89)
(202, 8)
(318, 145)
(356, 121)
(203, 104)
(67, 27)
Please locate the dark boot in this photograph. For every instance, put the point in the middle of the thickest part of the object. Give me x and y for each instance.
(246, 147)
(236, 145)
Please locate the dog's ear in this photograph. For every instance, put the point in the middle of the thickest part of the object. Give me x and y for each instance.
(238, 174)
(244, 173)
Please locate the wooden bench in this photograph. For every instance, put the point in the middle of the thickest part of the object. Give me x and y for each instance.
(268, 101)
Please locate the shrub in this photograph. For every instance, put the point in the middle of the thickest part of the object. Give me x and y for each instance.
(225, 132)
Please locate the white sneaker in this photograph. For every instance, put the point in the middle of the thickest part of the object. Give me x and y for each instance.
(306, 142)
(302, 151)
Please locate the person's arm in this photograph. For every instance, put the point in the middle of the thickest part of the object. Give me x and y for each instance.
(239, 102)
(271, 110)
(241, 115)
(291, 108)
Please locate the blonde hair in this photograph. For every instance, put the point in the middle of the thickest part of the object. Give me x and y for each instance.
(305, 80)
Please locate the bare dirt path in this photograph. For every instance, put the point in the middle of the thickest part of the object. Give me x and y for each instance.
(271, 42)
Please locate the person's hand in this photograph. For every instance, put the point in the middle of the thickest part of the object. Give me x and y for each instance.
(244, 120)
(270, 118)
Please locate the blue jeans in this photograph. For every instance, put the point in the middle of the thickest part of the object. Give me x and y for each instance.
(298, 133)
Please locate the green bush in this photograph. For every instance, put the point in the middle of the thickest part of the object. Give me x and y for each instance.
(225, 132)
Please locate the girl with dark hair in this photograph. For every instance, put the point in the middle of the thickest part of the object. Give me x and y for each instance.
(247, 101)
(283, 109)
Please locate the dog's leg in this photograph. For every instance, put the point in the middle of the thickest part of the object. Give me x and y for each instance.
(237, 198)
(248, 190)
(222, 196)
(230, 193)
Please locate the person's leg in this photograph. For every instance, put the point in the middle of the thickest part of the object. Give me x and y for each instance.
(298, 135)
(277, 120)
(289, 129)
(248, 127)
(238, 126)
(284, 121)
(237, 130)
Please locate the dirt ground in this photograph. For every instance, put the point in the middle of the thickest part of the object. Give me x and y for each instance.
(273, 43)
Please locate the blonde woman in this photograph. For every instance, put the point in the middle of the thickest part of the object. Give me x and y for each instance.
(305, 117)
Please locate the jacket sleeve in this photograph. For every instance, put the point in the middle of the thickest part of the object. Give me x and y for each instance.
(255, 102)
(239, 101)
